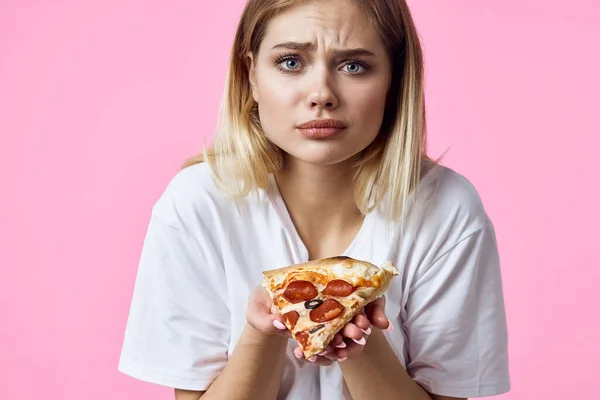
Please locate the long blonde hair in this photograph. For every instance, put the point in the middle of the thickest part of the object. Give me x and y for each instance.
(242, 158)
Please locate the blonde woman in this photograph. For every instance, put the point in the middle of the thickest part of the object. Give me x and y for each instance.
(320, 152)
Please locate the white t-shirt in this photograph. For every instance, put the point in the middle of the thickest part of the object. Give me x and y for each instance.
(202, 257)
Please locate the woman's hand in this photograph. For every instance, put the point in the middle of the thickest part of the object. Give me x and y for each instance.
(263, 316)
(350, 341)
(375, 312)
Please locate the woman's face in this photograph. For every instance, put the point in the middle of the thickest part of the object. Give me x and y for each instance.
(321, 60)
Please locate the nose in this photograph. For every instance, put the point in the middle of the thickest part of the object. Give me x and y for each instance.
(321, 94)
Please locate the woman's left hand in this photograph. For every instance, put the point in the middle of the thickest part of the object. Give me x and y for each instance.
(351, 340)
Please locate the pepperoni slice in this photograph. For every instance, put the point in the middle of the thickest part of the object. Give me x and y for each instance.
(299, 291)
(339, 288)
(292, 318)
(302, 338)
(327, 311)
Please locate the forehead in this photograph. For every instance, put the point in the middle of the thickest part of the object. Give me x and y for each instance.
(325, 24)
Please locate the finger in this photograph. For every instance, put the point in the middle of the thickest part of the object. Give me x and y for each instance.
(257, 308)
(318, 359)
(323, 361)
(376, 313)
(338, 341)
(362, 322)
(258, 316)
(332, 352)
(277, 323)
(261, 295)
(353, 349)
(300, 355)
(261, 318)
(353, 332)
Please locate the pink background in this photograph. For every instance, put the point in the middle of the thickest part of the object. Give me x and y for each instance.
(100, 101)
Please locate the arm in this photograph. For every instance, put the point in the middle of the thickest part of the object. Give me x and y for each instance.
(377, 366)
(178, 331)
(255, 368)
(458, 346)
(253, 371)
(187, 394)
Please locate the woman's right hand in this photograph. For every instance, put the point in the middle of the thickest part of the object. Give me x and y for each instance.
(263, 316)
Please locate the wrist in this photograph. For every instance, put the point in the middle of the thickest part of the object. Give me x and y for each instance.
(253, 337)
(375, 345)
(376, 342)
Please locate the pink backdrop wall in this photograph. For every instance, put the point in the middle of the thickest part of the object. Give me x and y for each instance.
(100, 101)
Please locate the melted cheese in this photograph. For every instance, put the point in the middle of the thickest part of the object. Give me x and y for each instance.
(294, 307)
(354, 273)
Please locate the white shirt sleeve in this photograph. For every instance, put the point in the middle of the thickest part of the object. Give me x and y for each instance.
(177, 333)
(455, 321)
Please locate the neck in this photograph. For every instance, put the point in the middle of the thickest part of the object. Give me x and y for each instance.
(319, 197)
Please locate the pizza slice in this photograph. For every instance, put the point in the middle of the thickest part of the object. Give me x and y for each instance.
(318, 298)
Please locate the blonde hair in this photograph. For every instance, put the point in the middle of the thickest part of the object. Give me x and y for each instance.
(242, 158)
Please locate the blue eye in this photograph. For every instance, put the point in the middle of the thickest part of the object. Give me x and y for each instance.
(291, 64)
(288, 63)
(353, 68)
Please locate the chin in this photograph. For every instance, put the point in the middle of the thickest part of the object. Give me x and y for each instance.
(322, 156)
(321, 152)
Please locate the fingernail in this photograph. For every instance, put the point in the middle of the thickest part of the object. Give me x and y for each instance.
(362, 341)
(277, 323)
(298, 353)
(312, 358)
(341, 346)
(367, 331)
(323, 353)
(390, 327)
(342, 359)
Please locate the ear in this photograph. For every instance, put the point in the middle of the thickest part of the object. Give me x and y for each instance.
(252, 75)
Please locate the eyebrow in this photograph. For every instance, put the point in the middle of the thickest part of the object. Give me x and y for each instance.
(307, 46)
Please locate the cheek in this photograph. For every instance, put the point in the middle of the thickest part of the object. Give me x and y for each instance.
(276, 104)
(276, 93)
(369, 107)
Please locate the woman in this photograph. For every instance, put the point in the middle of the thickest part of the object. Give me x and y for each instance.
(320, 152)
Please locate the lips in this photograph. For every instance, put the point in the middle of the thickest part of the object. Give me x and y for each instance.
(321, 128)
(322, 124)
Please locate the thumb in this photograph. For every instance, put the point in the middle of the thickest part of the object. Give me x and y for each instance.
(278, 320)
(262, 319)
(376, 313)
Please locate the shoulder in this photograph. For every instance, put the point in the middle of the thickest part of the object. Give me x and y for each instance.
(446, 197)
(191, 194)
(446, 208)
